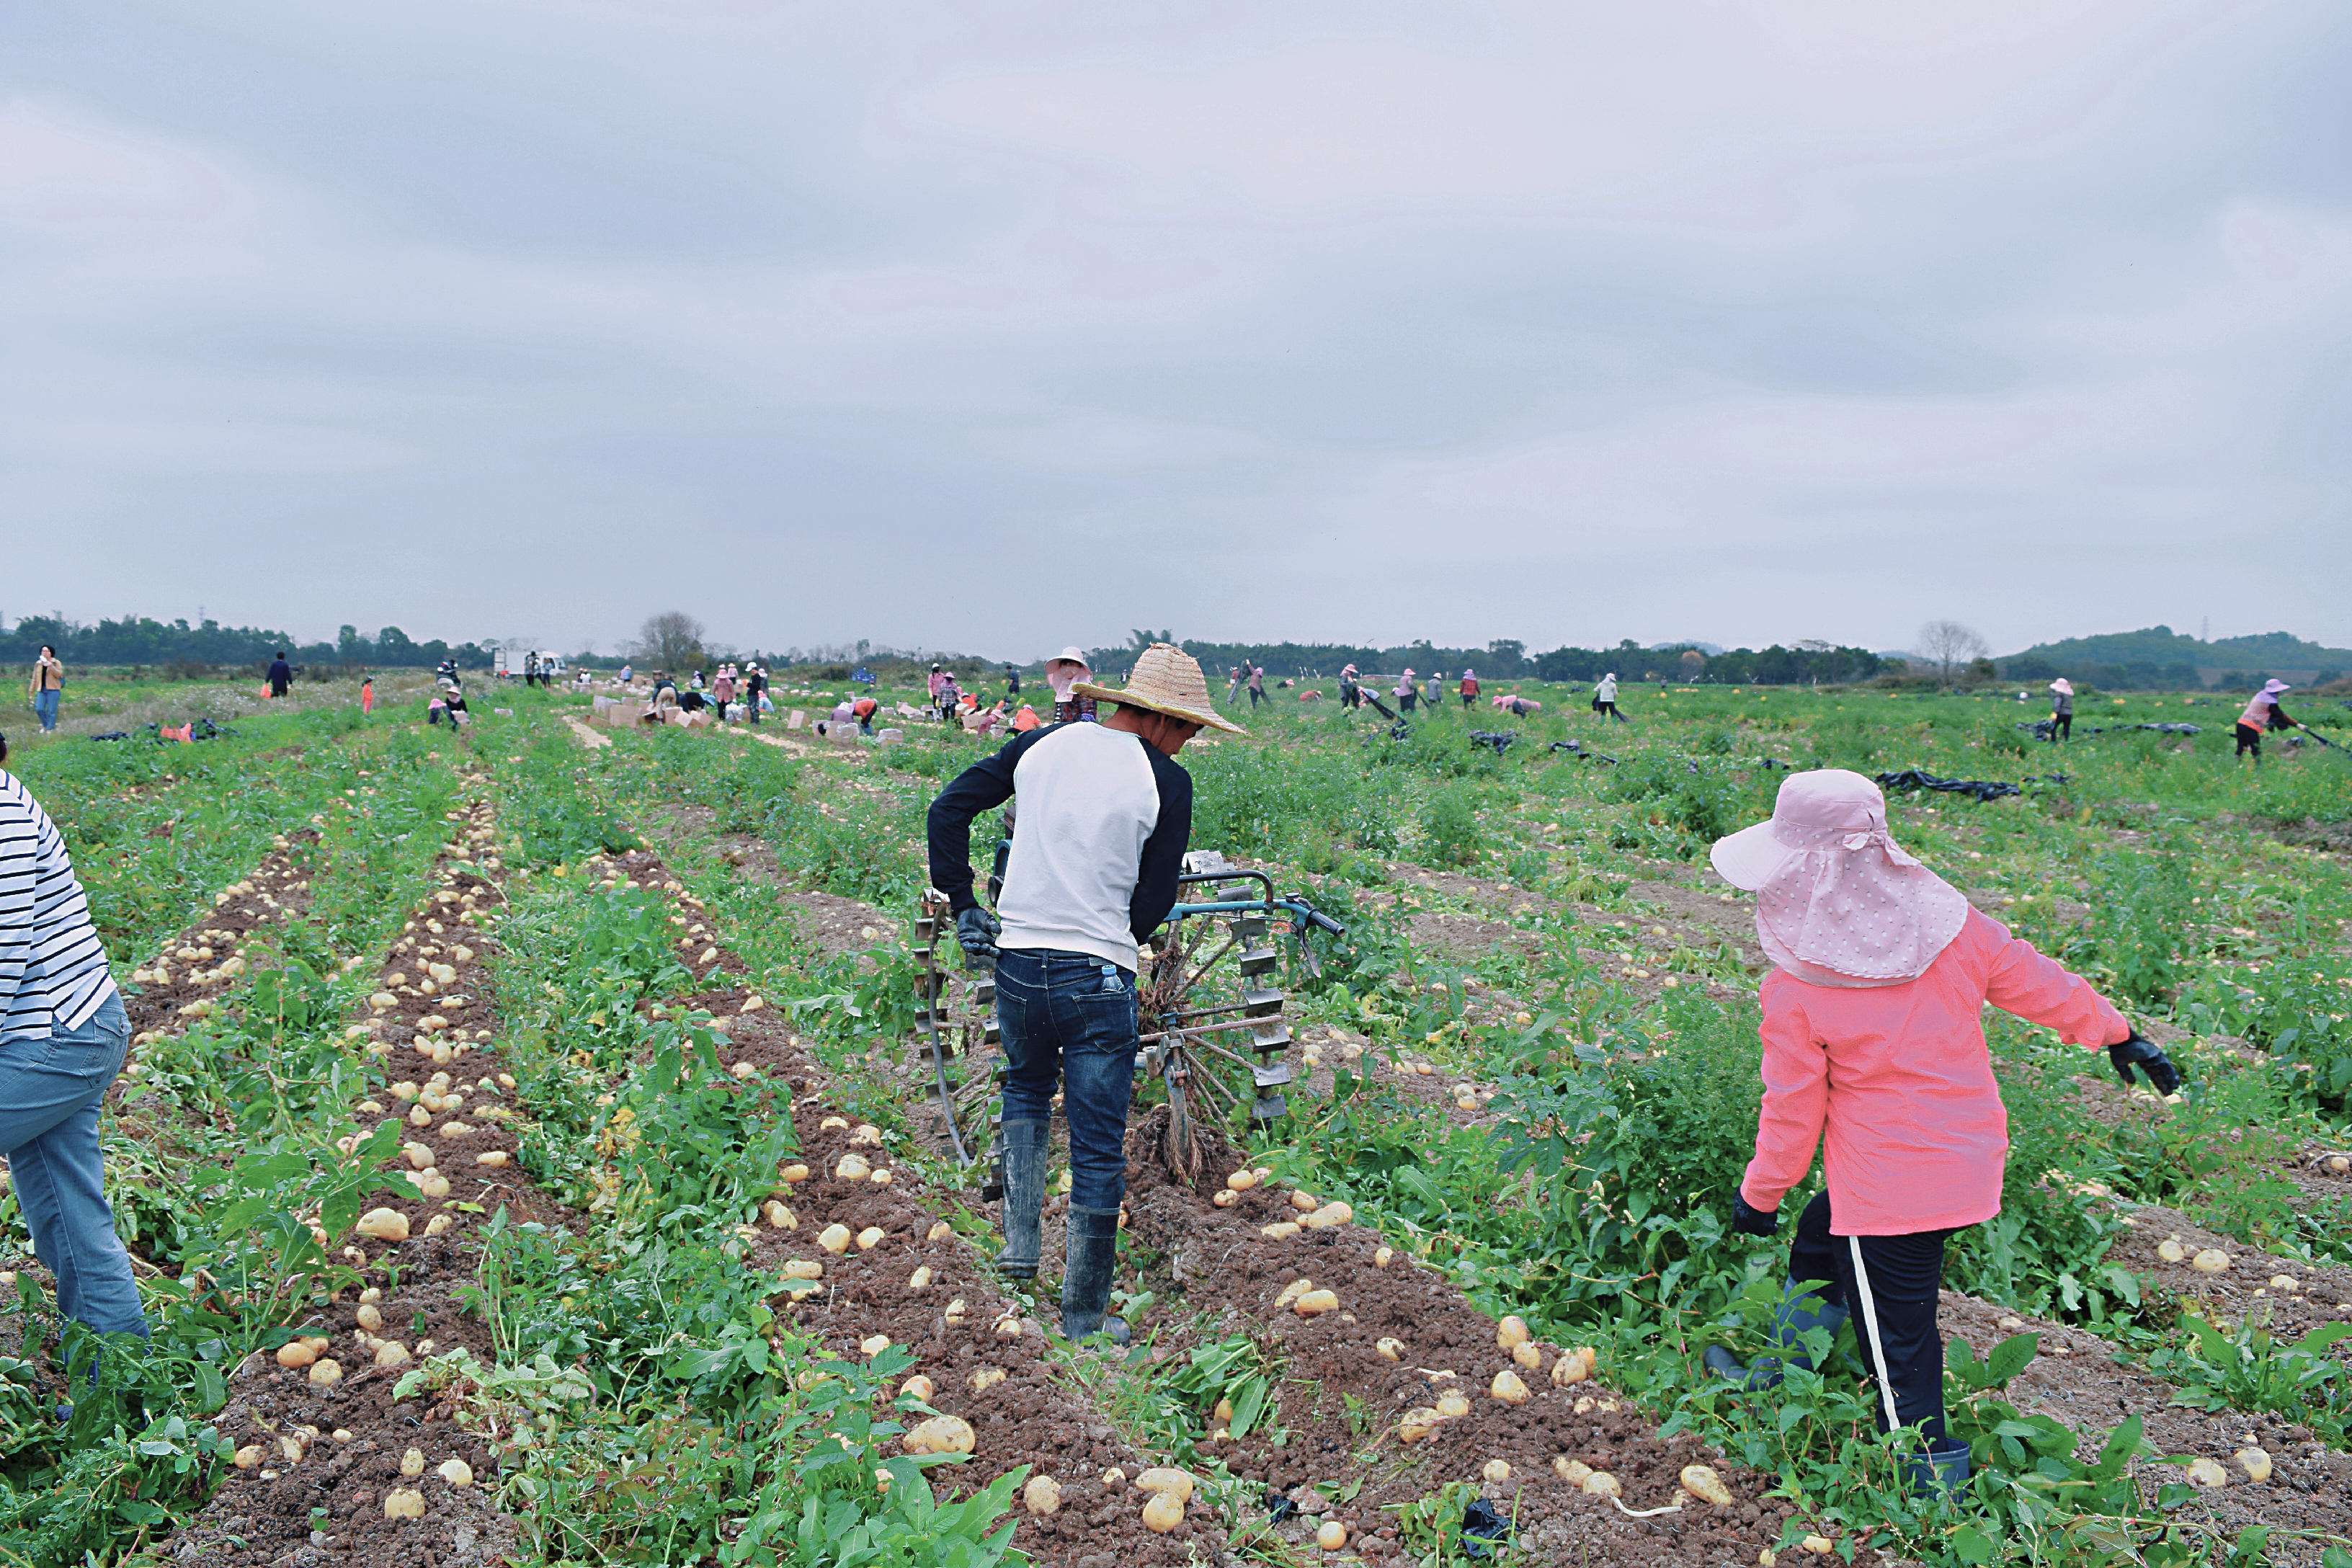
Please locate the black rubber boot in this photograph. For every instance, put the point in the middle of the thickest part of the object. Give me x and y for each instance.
(1944, 1469)
(1093, 1248)
(1024, 1198)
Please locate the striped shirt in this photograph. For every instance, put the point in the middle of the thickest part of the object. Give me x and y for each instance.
(53, 971)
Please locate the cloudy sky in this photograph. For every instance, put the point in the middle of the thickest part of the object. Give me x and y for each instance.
(1000, 327)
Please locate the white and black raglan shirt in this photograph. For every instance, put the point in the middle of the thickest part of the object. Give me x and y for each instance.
(1104, 822)
(53, 969)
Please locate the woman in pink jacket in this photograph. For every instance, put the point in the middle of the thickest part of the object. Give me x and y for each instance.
(1873, 1050)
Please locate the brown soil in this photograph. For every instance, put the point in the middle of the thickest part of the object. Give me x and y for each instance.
(2244, 1290)
(2076, 1380)
(277, 891)
(1341, 1399)
(328, 1457)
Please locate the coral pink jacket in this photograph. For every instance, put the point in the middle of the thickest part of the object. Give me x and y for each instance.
(1899, 1077)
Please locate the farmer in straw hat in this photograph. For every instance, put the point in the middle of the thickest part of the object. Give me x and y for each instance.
(1106, 816)
(1874, 1040)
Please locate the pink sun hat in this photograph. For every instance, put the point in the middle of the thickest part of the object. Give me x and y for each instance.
(1837, 903)
(2062, 684)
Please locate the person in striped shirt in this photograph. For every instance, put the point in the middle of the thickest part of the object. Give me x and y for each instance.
(63, 1036)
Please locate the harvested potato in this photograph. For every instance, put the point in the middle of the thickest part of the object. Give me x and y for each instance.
(866, 1136)
(874, 1345)
(1573, 1471)
(456, 1472)
(1281, 1230)
(419, 1156)
(2255, 1462)
(1390, 1348)
(1292, 1292)
(1225, 1197)
(1382, 1257)
(412, 1463)
(1315, 1303)
(390, 1354)
(1497, 1471)
(940, 1230)
(1162, 1513)
(369, 1317)
(1600, 1483)
(326, 1372)
(794, 1174)
(403, 1502)
(1305, 1203)
(1507, 1387)
(940, 1435)
(852, 1168)
(1702, 1482)
(872, 1237)
(1453, 1406)
(778, 1217)
(1819, 1545)
(496, 1159)
(2208, 1473)
(249, 1456)
(1163, 1478)
(920, 1279)
(1043, 1495)
(830, 1123)
(986, 1378)
(1114, 1479)
(1527, 1357)
(834, 1238)
(1329, 1214)
(2212, 1260)
(1511, 1332)
(1331, 1535)
(294, 1355)
(1574, 1366)
(918, 1388)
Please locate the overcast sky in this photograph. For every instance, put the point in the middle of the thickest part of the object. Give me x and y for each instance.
(997, 327)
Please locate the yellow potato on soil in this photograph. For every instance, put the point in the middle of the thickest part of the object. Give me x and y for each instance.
(1281, 1230)
(2171, 1251)
(420, 1156)
(778, 1217)
(794, 1174)
(834, 1238)
(390, 1354)
(1383, 1257)
(1043, 1495)
(920, 1279)
(852, 1168)
(248, 1457)
(940, 1230)
(1418, 1423)
(2212, 1260)
(1295, 1290)
(1600, 1483)
(1527, 1357)
(2208, 1473)
(326, 1372)
(803, 1268)
(1329, 1214)
(918, 1387)
(370, 1316)
(1390, 1348)
(1331, 1535)
(1453, 1406)
(1163, 1478)
(866, 1136)
(1241, 1180)
(456, 1472)
(1511, 1332)
(986, 1378)
(1702, 1482)
(1226, 1198)
(1573, 1366)
(940, 1435)
(872, 1237)
(1163, 1513)
(403, 1502)
(1497, 1471)
(294, 1354)
(1573, 1471)
(1508, 1388)
(831, 1122)
(412, 1463)
(496, 1159)
(2255, 1462)
(1315, 1303)
(1305, 1203)
(874, 1345)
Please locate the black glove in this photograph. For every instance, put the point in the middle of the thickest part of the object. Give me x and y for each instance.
(1746, 1217)
(2151, 1059)
(976, 928)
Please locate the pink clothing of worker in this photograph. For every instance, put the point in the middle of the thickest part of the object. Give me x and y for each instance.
(1874, 1051)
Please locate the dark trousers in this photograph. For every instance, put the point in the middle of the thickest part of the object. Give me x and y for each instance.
(1405, 699)
(1256, 696)
(2061, 726)
(1889, 1284)
(2248, 740)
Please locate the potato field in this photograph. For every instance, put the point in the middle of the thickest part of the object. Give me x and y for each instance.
(530, 1152)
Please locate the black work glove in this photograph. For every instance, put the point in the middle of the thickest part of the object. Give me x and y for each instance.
(976, 928)
(2151, 1059)
(1746, 1217)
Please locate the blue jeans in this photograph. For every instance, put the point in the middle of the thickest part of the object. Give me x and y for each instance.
(45, 708)
(1071, 1015)
(49, 1093)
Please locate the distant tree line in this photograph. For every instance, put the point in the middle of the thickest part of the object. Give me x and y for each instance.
(138, 640)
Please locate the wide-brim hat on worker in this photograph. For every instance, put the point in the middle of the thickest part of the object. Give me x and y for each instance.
(2274, 686)
(1165, 679)
(2061, 684)
(1070, 656)
(1837, 902)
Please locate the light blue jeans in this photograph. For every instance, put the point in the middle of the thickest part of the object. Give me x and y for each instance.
(45, 708)
(50, 1088)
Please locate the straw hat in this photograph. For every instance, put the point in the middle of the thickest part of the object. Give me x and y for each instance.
(1166, 679)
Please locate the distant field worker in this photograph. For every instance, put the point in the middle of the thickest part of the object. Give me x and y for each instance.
(1352, 687)
(1874, 1040)
(49, 688)
(281, 675)
(1063, 673)
(2263, 712)
(367, 695)
(1256, 686)
(1517, 706)
(63, 1037)
(1406, 693)
(1469, 687)
(2061, 709)
(1604, 698)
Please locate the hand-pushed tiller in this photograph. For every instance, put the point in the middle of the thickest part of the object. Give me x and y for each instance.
(1209, 1028)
